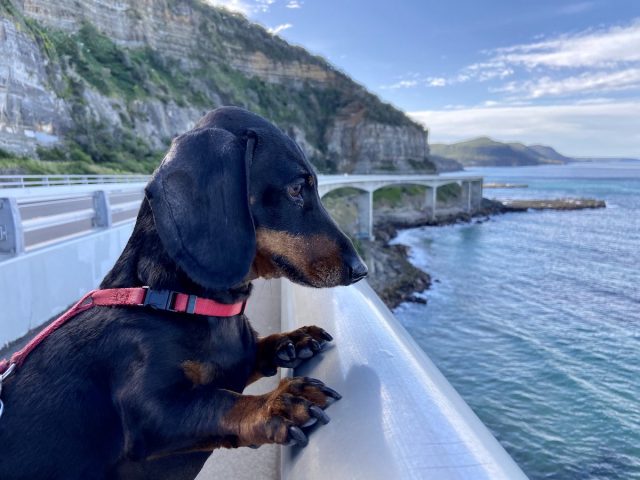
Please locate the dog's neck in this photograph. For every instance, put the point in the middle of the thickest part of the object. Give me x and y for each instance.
(144, 261)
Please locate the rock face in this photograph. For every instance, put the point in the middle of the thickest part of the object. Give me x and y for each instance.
(30, 111)
(113, 78)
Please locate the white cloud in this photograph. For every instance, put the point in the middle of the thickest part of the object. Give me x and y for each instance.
(574, 8)
(597, 48)
(605, 59)
(245, 7)
(587, 82)
(280, 28)
(294, 4)
(400, 84)
(415, 81)
(590, 129)
(437, 82)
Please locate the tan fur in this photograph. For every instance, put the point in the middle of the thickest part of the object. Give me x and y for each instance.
(198, 373)
(317, 257)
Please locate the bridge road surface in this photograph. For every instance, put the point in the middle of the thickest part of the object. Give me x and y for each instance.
(263, 310)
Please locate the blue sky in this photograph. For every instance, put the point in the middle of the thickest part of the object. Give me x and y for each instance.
(562, 73)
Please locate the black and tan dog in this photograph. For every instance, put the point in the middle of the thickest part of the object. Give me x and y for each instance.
(137, 393)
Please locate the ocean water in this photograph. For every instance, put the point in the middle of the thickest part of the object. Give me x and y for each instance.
(535, 319)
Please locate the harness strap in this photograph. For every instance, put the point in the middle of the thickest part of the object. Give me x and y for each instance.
(116, 297)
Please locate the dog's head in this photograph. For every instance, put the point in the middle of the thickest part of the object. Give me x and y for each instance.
(235, 198)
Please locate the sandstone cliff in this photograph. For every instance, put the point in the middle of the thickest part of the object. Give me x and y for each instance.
(104, 86)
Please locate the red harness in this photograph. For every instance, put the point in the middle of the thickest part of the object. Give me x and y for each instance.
(135, 297)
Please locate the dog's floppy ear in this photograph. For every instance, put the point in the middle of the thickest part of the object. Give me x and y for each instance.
(199, 199)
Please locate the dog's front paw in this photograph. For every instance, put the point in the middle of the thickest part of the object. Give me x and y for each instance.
(301, 344)
(297, 403)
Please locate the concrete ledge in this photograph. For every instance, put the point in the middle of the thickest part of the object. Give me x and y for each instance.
(399, 417)
(41, 284)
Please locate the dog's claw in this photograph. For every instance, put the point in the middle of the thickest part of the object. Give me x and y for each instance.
(314, 381)
(309, 422)
(326, 336)
(298, 435)
(315, 346)
(287, 353)
(318, 413)
(331, 392)
(305, 353)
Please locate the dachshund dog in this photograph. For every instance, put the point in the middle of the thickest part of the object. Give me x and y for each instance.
(136, 393)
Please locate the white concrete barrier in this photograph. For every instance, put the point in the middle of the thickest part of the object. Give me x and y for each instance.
(39, 285)
(399, 418)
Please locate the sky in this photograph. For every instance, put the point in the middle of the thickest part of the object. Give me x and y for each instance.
(560, 73)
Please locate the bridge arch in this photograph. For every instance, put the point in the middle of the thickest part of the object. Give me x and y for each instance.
(466, 198)
(364, 206)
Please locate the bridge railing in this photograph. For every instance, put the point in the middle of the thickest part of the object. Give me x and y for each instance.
(34, 220)
(26, 181)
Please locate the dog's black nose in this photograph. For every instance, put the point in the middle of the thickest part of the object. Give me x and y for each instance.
(357, 269)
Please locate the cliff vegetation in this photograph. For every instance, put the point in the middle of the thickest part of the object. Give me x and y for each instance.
(100, 87)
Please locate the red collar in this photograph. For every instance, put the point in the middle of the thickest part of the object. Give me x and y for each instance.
(134, 297)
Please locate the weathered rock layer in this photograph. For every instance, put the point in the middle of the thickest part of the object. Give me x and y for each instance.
(142, 71)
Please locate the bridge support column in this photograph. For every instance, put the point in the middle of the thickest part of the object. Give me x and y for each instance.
(11, 233)
(364, 202)
(431, 201)
(476, 195)
(466, 196)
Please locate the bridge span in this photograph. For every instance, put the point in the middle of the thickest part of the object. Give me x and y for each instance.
(38, 210)
(399, 417)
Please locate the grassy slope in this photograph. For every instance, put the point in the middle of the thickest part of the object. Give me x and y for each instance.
(485, 151)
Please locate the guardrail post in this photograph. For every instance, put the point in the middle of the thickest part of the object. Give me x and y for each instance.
(103, 218)
(11, 234)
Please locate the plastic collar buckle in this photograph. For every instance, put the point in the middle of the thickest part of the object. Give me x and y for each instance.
(159, 299)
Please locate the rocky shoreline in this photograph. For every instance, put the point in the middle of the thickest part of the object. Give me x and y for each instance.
(396, 280)
(553, 204)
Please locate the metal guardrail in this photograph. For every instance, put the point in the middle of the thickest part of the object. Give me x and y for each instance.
(32, 221)
(25, 181)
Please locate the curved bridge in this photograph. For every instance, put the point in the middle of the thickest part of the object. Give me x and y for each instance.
(37, 210)
(468, 200)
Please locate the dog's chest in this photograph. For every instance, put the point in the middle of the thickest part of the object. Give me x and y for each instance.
(220, 352)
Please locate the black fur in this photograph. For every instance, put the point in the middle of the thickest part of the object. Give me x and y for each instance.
(106, 396)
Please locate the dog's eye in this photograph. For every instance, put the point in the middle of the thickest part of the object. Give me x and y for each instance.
(295, 191)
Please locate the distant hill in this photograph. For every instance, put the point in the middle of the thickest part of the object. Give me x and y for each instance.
(484, 151)
(605, 159)
(444, 164)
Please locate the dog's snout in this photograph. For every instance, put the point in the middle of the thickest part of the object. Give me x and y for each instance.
(357, 269)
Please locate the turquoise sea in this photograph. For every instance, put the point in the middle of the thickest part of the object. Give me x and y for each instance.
(535, 319)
